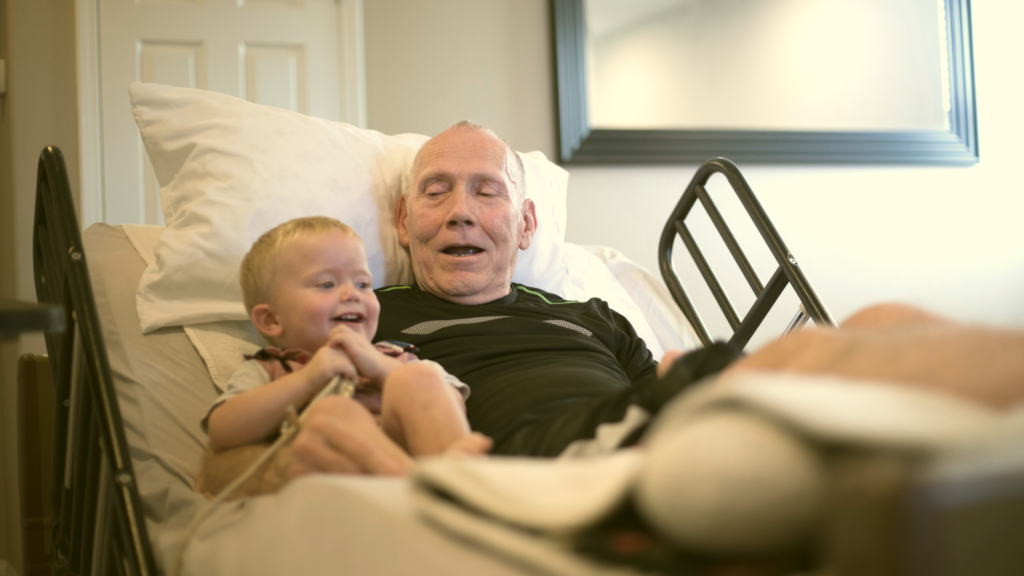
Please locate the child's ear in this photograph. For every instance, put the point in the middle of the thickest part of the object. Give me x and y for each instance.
(264, 319)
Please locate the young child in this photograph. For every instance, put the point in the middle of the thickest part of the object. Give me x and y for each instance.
(307, 287)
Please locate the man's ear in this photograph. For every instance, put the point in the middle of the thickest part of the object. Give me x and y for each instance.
(265, 320)
(530, 221)
(402, 220)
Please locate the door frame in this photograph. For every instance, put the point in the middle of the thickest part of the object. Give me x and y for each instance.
(351, 76)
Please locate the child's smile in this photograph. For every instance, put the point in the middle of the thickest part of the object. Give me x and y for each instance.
(321, 282)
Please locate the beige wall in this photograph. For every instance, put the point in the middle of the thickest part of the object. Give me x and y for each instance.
(40, 109)
(8, 283)
(430, 64)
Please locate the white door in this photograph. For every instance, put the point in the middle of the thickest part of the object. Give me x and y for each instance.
(286, 53)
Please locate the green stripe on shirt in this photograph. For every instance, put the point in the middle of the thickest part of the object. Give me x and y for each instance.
(541, 296)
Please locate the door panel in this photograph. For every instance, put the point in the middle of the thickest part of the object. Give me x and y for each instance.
(278, 52)
(274, 75)
(177, 64)
(174, 63)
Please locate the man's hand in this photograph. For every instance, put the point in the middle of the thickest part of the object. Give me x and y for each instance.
(340, 436)
(978, 363)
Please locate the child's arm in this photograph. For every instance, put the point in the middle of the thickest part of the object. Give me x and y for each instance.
(255, 414)
(370, 362)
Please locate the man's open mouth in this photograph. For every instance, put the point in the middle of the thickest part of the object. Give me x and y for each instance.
(462, 250)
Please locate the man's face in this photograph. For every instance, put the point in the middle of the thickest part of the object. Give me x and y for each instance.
(462, 220)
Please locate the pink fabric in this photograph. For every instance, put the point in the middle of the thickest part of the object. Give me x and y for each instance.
(273, 360)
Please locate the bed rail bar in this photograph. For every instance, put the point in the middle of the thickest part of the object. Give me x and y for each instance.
(766, 295)
(98, 525)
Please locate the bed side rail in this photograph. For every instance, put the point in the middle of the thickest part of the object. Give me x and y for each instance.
(98, 525)
(765, 295)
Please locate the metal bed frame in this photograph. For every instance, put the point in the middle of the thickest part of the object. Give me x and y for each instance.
(98, 524)
(788, 272)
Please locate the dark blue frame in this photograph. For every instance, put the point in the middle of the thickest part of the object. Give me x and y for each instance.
(581, 144)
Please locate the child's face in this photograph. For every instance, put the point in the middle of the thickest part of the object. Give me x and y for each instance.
(321, 282)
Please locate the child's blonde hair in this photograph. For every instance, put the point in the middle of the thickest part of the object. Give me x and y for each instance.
(259, 264)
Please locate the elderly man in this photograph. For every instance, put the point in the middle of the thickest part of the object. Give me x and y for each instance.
(546, 372)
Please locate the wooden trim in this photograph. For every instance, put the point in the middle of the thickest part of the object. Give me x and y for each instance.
(35, 448)
(90, 132)
(351, 62)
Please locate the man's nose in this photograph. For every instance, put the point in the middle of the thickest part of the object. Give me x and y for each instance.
(460, 210)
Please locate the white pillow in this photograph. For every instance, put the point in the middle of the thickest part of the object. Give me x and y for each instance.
(229, 170)
(588, 277)
(670, 326)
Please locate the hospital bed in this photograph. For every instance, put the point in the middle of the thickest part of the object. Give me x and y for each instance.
(128, 445)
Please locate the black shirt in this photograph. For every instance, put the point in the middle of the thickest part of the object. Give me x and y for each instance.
(522, 354)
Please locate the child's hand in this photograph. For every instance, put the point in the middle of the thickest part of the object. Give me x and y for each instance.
(370, 363)
(328, 362)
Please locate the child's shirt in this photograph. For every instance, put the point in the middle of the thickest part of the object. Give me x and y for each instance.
(269, 364)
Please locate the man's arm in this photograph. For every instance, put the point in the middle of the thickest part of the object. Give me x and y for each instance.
(338, 435)
(629, 348)
(901, 344)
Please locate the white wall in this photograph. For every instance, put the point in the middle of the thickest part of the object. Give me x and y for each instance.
(949, 239)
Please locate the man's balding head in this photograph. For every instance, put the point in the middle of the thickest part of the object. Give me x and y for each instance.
(514, 169)
(465, 216)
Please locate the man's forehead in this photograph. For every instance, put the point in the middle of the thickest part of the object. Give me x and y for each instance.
(462, 149)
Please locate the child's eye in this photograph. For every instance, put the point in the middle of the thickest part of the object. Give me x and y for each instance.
(327, 284)
(362, 285)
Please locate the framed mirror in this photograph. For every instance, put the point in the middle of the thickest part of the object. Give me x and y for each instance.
(765, 81)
